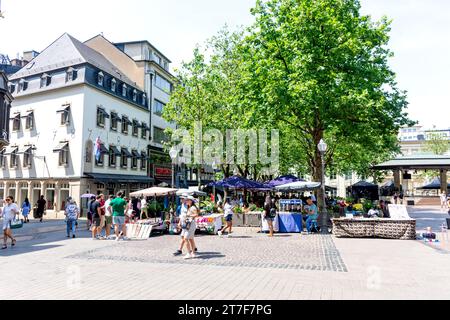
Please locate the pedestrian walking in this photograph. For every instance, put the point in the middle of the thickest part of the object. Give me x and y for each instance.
(183, 210)
(270, 213)
(143, 208)
(9, 212)
(118, 209)
(444, 202)
(96, 211)
(108, 216)
(228, 215)
(41, 203)
(90, 213)
(26, 208)
(102, 214)
(72, 213)
(189, 226)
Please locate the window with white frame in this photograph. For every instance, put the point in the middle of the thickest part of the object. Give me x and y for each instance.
(13, 159)
(29, 121)
(100, 78)
(45, 80)
(114, 118)
(125, 124)
(16, 122)
(2, 159)
(136, 128)
(135, 95)
(124, 90)
(71, 74)
(113, 85)
(101, 116)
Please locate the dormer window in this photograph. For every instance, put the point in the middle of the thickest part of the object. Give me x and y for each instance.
(124, 90)
(12, 87)
(100, 78)
(71, 74)
(113, 85)
(23, 85)
(134, 95)
(45, 80)
(144, 98)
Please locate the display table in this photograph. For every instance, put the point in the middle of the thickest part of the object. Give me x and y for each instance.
(265, 225)
(290, 222)
(210, 223)
(404, 229)
(252, 219)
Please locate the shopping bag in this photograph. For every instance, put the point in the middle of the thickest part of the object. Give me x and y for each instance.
(16, 223)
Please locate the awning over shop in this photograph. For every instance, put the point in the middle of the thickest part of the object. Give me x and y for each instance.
(115, 151)
(24, 150)
(145, 126)
(108, 178)
(136, 154)
(63, 109)
(104, 113)
(103, 149)
(61, 146)
(10, 150)
(27, 114)
(126, 153)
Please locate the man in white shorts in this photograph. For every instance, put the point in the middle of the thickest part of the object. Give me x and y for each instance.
(9, 213)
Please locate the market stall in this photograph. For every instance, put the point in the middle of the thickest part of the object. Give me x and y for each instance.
(158, 224)
(290, 217)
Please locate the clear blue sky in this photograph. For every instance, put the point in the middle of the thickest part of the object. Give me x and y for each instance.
(420, 35)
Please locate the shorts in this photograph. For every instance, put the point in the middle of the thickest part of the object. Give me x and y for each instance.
(118, 220)
(96, 221)
(269, 219)
(229, 218)
(108, 220)
(189, 234)
(7, 222)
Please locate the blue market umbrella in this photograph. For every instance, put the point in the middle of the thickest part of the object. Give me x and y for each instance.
(237, 182)
(283, 180)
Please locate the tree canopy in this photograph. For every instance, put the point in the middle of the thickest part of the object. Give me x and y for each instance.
(311, 69)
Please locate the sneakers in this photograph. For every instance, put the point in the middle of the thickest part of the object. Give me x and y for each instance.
(187, 256)
(73, 237)
(219, 233)
(178, 253)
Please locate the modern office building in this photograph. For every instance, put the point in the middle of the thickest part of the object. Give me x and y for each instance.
(78, 125)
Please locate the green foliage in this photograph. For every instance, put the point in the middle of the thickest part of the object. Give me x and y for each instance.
(437, 143)
(311, 69)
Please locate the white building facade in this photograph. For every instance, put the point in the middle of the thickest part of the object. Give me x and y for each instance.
(67, 98)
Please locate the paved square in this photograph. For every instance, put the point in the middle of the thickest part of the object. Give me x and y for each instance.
(47, 265)
(243, 249)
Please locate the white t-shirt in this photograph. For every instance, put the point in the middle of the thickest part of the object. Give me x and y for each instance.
(107, 204)
(9, 211)
(228, 209)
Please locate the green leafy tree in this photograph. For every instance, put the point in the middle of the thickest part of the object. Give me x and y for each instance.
(437, 143)
(321, 68)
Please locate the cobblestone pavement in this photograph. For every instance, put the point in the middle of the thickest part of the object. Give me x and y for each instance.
(247, 266)
(245, 249)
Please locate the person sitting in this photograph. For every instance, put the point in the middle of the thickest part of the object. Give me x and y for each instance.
(313, 214)
(373, 212)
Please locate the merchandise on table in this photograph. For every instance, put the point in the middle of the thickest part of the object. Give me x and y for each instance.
(289, 205)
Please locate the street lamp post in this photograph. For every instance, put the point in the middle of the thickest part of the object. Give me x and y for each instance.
(324, 221)
(173, 155)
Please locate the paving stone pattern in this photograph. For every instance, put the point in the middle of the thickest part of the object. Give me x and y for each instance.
(303, 252)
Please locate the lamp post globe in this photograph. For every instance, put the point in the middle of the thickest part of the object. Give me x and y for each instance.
(173, 153)
(322, 146)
